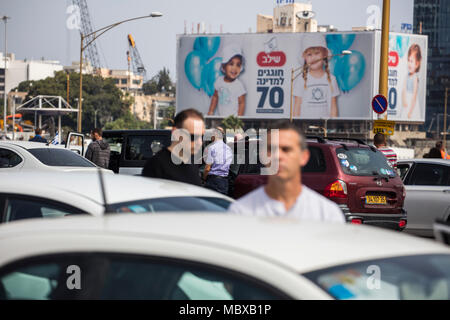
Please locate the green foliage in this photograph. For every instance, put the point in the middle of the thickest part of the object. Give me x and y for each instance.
(232, 122)
(159, 83)
(168, 121)
(128, 122)
(98, 94)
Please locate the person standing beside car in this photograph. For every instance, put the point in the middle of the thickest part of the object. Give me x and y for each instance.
(218, 161)
(173, 163)
(37, 137)
(379, 140)
(98, 150)
(285, 195)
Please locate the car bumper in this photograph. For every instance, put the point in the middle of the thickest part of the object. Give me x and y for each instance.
(388, 221)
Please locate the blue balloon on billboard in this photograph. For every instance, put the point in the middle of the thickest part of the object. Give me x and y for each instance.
(338, 42)
(193, 67)
(210, 74)
(207, 45)
(349, 70)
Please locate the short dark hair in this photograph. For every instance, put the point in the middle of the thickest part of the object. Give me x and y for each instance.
(98, 131)
(183, 115)
(378, 139)
(287, 125)
(37, 131)
(439, 144)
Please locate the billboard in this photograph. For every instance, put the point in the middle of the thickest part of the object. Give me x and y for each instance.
(407, 77)
(249, 75)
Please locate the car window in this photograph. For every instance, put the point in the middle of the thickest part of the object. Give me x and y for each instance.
(428, 174)
(169, 204)
(402, 170)
(120, 276)
(144, 147)
(364, 162)
(9, 159)
(115, 144)
(56, 157)
(316, 161)
(19, 208)
(420, 277)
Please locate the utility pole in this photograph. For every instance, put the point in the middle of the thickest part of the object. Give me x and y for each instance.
(383, 82)
(445, 118)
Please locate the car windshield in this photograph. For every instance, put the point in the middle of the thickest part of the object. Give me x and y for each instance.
(420, 277)
(364, 162)
(60, 158)
(172, 204)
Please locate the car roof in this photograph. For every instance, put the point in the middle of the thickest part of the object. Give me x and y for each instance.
(143, 131)
(336, 143)
(119, 188)
(29, 144)
(426, 160)
(297, 245)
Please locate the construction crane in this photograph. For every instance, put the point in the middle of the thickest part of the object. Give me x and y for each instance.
(91, 52)
(134, 57)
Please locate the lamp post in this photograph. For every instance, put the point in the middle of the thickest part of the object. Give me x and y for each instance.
(95, 117)
(83, 47)
(445, 119)
(294, 70)
(5, 20)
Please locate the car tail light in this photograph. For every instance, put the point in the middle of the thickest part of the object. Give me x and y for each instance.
(402, 223)
(404, 192)
(356, 221)
(337, 189)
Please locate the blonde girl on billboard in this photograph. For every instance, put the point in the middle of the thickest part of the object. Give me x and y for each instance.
(410, 89)
(316, 91)
(229, 95)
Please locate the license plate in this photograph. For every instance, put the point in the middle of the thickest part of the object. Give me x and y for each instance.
(376, 200)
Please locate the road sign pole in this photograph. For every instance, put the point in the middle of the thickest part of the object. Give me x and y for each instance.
(383, 81)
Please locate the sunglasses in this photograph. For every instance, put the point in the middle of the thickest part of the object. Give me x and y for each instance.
(196, 137)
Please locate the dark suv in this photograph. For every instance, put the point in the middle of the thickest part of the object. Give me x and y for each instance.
(349, 172)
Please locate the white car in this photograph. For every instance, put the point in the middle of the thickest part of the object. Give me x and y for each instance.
(25, 195)
(213, 256)
(427, 183)
(25, 155)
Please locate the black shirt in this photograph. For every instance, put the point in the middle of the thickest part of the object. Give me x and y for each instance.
(161, 166)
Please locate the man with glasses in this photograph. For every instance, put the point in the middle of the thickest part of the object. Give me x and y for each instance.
(175, 162)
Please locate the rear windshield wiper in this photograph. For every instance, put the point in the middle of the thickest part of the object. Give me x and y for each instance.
(379, 176)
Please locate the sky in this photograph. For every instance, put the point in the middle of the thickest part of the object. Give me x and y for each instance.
(39, 28)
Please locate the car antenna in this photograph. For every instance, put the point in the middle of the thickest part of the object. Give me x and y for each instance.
(102, 188)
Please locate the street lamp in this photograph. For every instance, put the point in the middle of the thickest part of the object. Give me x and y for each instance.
(83, 47)
(5, 20)
(294, 70)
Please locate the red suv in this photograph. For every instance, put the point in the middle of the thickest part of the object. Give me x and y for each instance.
(349, 172)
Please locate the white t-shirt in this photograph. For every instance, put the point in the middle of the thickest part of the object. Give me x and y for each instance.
(316, 98)
(228, 92)
(310, 206)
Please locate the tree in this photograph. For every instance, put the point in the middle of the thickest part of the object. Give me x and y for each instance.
(159, 83)
(99, 94)
(168, 120)
(233, 123)
(128, 122)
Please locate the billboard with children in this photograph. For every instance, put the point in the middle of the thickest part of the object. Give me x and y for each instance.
(407, 77)
(249, 75)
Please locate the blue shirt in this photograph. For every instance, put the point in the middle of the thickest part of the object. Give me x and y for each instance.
(220, 157)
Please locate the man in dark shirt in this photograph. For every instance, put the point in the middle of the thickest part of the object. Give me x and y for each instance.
(38, 137)
(175, 162)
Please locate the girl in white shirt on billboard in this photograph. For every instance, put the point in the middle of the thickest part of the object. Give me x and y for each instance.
(410, 90)
(229, 94)
(316, 90)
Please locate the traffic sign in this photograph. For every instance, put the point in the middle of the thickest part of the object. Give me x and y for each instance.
(379, 104)
(383, 126)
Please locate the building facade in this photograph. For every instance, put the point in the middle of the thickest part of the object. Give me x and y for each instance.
(24, 70)
(432, 18)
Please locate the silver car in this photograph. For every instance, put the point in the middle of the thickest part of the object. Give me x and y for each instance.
(427, 183)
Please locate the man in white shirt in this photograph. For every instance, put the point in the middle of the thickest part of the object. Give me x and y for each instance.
(284, 195)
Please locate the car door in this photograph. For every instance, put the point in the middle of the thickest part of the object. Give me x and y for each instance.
(75, 143)
(427, 196)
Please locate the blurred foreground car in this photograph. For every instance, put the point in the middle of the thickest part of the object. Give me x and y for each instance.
(26, 195)
(212, 256)
(20, 155)
(427, 183)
